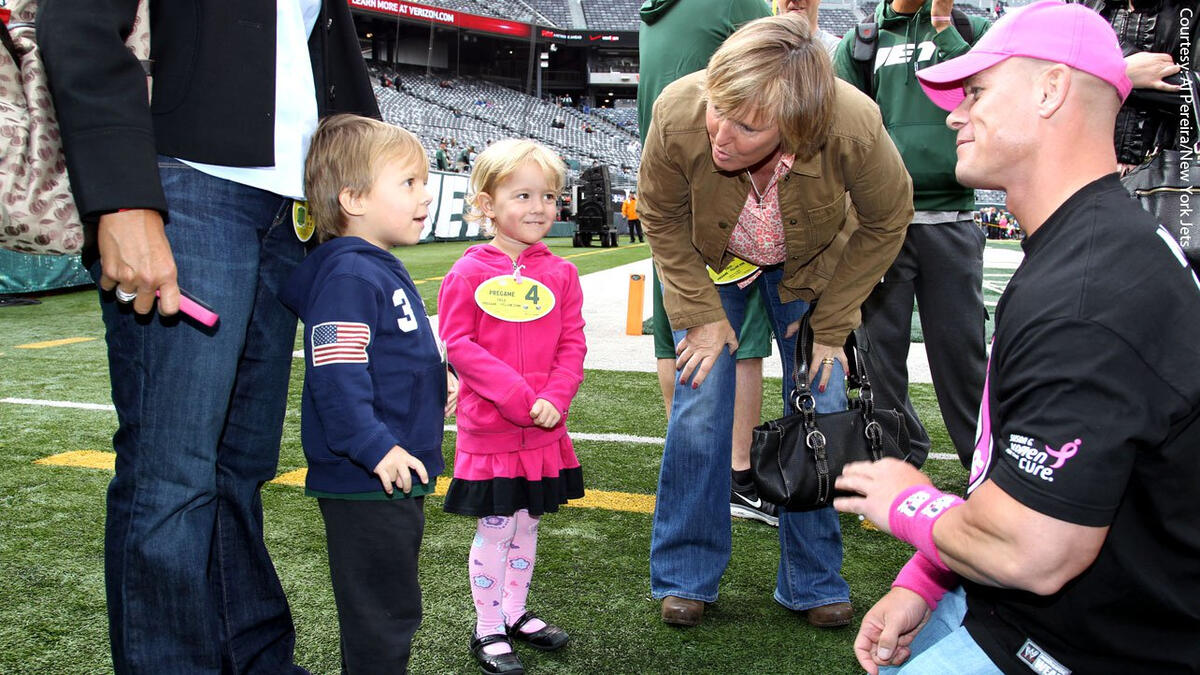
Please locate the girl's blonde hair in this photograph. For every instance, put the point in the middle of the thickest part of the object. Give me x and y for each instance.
(347, 152)
(502, 159)
(773, 67)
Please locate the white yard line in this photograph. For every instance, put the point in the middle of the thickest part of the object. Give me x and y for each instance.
(602, 438)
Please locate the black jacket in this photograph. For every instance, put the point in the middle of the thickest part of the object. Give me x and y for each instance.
(214, 89)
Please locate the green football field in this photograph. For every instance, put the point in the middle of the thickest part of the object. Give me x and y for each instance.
(592, 576)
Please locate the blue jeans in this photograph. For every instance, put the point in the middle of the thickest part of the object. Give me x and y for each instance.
(944, 645)
(191, 587)
(690, 542)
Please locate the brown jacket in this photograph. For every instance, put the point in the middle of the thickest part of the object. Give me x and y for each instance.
(688, 209)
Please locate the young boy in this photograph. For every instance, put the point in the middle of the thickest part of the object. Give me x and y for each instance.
(376, 389)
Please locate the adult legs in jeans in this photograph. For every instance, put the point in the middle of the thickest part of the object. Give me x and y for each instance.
(690, 541)
(810, 542)
(944, 645)
(940, 267)
(191, 587)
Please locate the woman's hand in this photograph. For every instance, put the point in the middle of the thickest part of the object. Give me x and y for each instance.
(821, 353)
(1149, 70)
(699, 349)
(823, 357)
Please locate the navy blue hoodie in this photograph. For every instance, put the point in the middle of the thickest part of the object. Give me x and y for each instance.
(374, 375)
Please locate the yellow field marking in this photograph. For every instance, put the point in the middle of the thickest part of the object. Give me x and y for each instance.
(425, 281)
(54, 343)
(292, 478)
(592, 499)
(603, 250)
(616, 501)
(84, 459)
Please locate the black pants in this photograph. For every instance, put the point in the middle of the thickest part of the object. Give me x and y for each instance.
(373, 547)
(635, 228)
(941, 266)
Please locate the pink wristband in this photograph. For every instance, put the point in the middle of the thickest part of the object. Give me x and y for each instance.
(941, 18)
(925, 578)
(913, 514)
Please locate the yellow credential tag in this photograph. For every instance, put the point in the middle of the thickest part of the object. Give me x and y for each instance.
(301, 221)
(518, 301)
(734, 272)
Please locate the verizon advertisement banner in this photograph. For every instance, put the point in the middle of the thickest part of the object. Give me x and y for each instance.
(449, 17)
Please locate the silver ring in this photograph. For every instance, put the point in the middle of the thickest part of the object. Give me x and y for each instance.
(125, 296)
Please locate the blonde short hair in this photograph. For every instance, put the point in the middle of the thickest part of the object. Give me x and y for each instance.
(502, 159)
(346, 153)
(773, 67)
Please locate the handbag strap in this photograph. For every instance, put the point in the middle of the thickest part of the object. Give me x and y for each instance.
(857, 376)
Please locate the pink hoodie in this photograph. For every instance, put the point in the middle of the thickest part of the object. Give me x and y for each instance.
(505, 366)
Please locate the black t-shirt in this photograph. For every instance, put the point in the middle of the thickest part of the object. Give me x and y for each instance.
(1091, 415)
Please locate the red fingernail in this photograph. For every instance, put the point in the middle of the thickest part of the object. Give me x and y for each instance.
(822, 389)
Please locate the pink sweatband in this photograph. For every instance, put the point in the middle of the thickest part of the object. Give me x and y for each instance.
(941, 18)
(913, 514)
(925, 578)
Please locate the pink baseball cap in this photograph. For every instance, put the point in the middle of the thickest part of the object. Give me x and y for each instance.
(1049, 30)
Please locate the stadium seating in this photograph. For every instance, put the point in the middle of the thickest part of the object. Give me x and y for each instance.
(612, 14)
(473, 112)
(837, 21)
(625, 118)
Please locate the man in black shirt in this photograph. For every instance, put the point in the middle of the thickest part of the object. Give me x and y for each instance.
(1078, 549)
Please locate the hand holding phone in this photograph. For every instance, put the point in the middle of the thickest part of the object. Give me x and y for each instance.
(193, 307)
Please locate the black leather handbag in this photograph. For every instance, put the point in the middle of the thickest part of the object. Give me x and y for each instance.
(795, 459)
(1168, 183)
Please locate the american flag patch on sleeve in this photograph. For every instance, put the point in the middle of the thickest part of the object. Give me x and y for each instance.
(340, 342)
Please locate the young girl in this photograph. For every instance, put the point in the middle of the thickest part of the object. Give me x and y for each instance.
(510, 315)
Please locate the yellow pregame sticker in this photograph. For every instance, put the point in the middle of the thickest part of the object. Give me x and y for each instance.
(508, 299)
(735, 271)
(301, 221)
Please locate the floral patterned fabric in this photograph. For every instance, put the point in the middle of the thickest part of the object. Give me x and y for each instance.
(758, 236)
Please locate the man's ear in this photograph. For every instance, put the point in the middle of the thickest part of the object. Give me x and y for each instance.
(486, 206)
(351, 202)
(1053, 85)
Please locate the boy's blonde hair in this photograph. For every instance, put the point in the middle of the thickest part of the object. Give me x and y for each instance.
(774, 67)
(502, 159)
(346, 153)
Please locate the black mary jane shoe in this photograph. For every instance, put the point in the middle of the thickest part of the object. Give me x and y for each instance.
(496, 664)
(547, 639)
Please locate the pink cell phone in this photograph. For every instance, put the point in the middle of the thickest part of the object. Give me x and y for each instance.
(196, 309)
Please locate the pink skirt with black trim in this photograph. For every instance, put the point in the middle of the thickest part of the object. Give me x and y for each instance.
(500, 484)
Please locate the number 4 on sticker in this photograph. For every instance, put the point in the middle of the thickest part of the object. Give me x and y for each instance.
(517, 300)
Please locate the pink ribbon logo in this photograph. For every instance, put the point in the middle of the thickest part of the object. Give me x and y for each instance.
(1067, 452)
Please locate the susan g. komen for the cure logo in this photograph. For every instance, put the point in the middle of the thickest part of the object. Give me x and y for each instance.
(1037, 461)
